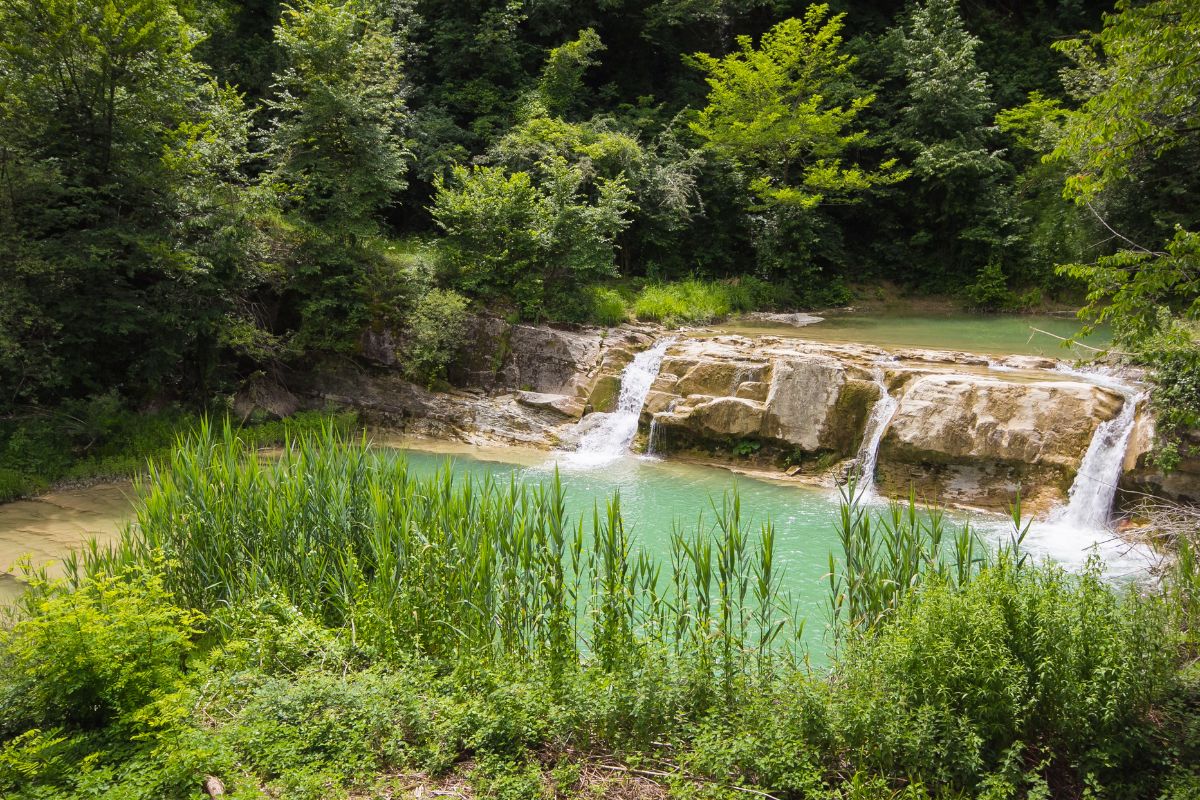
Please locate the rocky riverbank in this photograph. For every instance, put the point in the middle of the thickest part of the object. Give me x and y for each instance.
(962, 428)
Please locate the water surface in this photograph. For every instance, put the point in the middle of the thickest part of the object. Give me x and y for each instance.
(991, 334)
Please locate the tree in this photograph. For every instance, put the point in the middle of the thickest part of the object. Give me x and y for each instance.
(1138, 123)
(786, 111)
(121, 178)
(535, 244)
(560, 87)
(962, 211)
(335, 143)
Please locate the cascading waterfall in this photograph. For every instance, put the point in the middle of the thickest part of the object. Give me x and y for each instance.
(1083, 525)
(609, 439)
(1089, 503)
(868, 452)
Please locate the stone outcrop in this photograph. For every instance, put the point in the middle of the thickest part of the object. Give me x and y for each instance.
(966, 429)
(1141, 477)
(523, 385)
(788, 401)
(978, 440)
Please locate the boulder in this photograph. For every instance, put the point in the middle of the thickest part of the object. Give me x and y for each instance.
(977, 439)
(566, 405)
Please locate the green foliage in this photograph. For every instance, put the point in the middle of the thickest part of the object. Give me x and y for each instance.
(433, 334)
(334, 143)
(607, 306)
(560, 87)
(524, 650)
(887, 556)
(787, 111)
(962, 207)
(694, 301)
(95, 656)
(1131, 288)
(1139, 112)
(1019, 673)
(468, 572)
(100, 439)
(122, 216)
(1174, 360)
(534, 243)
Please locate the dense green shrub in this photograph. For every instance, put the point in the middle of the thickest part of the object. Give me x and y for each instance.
(532, 244)
(1019, 669)
(95, 656)
(433, 334)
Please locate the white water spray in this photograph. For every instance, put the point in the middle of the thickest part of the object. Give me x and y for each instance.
(609, 439)
(868, 453)
(1090, 501)
(1083, 525)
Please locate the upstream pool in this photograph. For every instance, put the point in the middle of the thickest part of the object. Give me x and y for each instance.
(988, 334)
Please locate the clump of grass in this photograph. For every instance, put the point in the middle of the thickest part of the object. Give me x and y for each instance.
(465, 571)
(886, 556)
(694, 301)
(99, 439)
(607, 306)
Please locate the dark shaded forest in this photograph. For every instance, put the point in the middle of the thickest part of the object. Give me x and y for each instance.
(196, 191)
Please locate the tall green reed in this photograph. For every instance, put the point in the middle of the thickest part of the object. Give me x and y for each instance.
(888, 554)
(459, 569)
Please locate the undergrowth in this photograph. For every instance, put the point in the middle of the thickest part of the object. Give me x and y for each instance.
(329, 625)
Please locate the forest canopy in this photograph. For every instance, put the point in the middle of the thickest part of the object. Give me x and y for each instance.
(192, 193)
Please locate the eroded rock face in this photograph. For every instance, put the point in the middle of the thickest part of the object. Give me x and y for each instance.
(977, 440)
(1141, 477)
(966, 429)
(789, 400)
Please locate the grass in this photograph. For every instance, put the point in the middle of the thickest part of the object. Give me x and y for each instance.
(327, 624)
(467, 570)
(693, 301)
(98, 439)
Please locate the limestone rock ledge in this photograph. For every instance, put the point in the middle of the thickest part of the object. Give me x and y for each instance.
(978, 440)
(961, 433)
(966, 429)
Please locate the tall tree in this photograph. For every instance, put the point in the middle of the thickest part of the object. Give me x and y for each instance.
(113, 140)
(1137, 132)
(336, 141)
(961, 215)
(785, 114)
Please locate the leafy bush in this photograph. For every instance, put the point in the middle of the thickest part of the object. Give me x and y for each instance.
(15, 485)
(96, 655)
(990, 290)
(530, 242)
(433, 334)
(1174, 358)
(1031, 667)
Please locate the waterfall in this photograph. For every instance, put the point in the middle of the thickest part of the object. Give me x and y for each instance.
(609, 439)
(652, 435)
(868, 452)
(1089, 503)
(1082, 526)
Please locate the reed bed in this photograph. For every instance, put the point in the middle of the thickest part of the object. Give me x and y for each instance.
(885, 556)
(462, 570)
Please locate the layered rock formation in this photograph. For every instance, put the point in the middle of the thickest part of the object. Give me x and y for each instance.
(522, 385)
(964, 430)
(960, 432)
